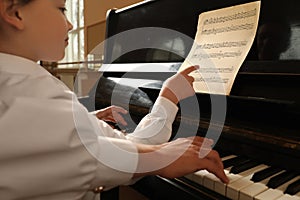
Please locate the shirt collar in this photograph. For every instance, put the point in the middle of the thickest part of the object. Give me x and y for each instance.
(19, 65)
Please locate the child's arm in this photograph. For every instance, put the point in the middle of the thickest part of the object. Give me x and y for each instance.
(179, 86)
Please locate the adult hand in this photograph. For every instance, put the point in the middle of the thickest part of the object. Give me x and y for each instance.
(179, 86)
(112, 114)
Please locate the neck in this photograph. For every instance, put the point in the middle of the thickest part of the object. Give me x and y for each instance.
(14, 48)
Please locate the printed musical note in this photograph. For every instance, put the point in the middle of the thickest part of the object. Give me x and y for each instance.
(222, 42)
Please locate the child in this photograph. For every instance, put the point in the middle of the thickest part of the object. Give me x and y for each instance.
(51, 147)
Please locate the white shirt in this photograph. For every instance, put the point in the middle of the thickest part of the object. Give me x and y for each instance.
(50, 145)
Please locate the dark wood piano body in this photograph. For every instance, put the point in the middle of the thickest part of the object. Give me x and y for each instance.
(263, 108)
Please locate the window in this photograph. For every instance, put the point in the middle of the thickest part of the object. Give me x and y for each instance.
(75, 49)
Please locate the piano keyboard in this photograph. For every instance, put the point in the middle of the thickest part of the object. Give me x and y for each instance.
(251, 181)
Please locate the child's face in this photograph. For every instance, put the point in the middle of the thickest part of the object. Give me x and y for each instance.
(46, 27)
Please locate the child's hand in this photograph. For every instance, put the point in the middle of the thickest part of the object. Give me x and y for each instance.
(180, 157)
(179, 86)
(112, 114)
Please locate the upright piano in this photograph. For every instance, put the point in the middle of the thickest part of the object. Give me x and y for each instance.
(260, 138)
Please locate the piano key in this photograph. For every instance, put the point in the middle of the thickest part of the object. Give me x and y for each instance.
(209, 181)
(288, 197)
(221, 188)
(234, 161)
(270, 194)
(243, 167)
(293, 188)
(248, 193)
(283, 187)
(233, 188)
(225, 154)
(276, 193)
(263, 174)
(281, 179)
(223, 158)
(190, 176)
(198, 176)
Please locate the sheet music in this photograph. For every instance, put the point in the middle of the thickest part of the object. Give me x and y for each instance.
(223, 40)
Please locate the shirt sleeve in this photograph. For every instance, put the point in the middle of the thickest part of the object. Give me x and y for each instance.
(156, 127)
(117, 157)
(63, 149)
(120, 155)
(54, 144)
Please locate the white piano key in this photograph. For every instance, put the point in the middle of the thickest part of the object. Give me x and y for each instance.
(214, 183)
(270, 194)
(228, 157)
(288, 197)
(273, 194)
(220, 187)
(190, 176)
(233, 188)
(248, 193)
(209, 181)
(198, 176)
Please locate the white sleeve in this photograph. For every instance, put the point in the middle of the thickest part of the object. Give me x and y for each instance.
(156, 127)
(41, 141)
(117, 157)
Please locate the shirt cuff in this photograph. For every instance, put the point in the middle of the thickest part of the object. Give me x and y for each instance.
(117, 162)
(169, 106)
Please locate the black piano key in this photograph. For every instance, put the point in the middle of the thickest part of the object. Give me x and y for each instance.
(293, 188)
(280, 179)
(243, 167)
(234, 161)
(224, 153)
(265, 173)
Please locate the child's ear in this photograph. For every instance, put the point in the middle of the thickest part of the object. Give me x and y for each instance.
(11, 14)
